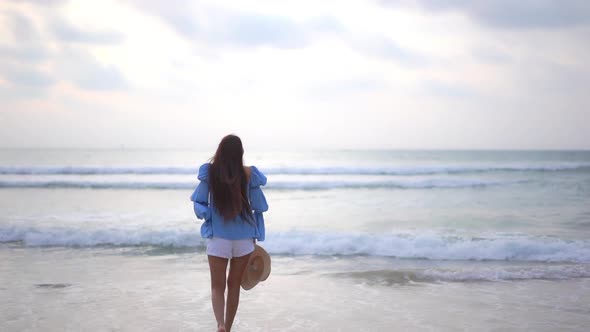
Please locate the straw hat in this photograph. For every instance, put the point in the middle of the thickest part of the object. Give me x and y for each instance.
(258, 268)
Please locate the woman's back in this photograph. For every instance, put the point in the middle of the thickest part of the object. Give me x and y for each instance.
(239, 227)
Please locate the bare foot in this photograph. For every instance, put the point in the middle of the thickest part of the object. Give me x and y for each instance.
(221, 328)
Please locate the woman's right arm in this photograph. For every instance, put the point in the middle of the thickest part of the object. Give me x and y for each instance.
(200, 198)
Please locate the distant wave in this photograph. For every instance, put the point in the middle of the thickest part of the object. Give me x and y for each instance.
(282, 185)
(409, 246)
(401, 170)
(427, 170)
(87, 170)
(96, 184)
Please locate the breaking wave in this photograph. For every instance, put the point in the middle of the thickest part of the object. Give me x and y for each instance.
(406, 246)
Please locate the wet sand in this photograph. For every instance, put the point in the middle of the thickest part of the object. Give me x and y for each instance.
(115, 289)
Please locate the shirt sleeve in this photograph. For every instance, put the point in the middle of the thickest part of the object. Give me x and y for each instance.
(200, 196)
(257, 199)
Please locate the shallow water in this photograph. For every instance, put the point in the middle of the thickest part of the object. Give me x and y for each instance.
(106, 289)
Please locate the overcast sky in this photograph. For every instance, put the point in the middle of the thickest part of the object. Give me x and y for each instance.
(494, 74)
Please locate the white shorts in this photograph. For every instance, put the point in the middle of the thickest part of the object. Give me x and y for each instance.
(229, 248)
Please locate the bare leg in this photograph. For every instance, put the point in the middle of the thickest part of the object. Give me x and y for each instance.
(236, 270)
(218, 266)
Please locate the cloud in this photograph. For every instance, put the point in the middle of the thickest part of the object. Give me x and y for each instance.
(511, 14)
(29, 63)
(41, 2)
(19, 93)
(327, 24)
(76, 67)
(19, 60)
(250, 30)
(84, 71)
(21, 26)
(386, 48)
(224, 27)
(175, 13)
(452, 90)
(531, 14)
(547, 78)
(26, 77)
(27, 45)
(24, 53)
(67, 32)
(23, 82)
(24, 30)
(492, 56)
(335, 89)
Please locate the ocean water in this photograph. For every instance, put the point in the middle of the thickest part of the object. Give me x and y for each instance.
(360, 240)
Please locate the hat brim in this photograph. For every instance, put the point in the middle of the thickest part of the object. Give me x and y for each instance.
(258, 268)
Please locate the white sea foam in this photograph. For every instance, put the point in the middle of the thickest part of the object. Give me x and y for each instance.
(74, 237)
(399, 170)
(431, 246)
(414, 246)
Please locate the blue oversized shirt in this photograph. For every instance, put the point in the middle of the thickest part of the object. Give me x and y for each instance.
(237, 228)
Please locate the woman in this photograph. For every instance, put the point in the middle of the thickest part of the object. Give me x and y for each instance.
(230, 200)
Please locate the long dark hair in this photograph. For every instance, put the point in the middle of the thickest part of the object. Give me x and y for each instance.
(228, 179)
